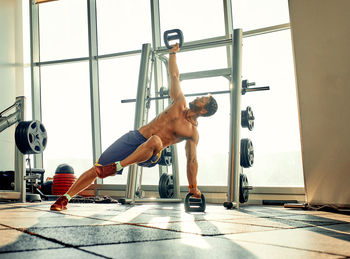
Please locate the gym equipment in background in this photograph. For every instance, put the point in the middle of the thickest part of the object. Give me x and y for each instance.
(166, 186)
(31, 137)
(247, 153)
(63, 179)
(247, 118)
(153, 58)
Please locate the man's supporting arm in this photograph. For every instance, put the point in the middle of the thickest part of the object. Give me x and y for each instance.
(175, 89)
(192, 165)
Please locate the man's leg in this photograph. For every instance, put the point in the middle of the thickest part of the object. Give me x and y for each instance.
(144, 152)
(81, 184)
(141, 154)
(84, 181)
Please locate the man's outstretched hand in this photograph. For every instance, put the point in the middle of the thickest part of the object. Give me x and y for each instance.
(175, 48)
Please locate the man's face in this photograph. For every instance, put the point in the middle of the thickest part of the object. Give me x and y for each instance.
(199, 103)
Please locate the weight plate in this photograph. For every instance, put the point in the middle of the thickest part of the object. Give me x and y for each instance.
(243, 188)
(166, 186)
(30, 137)
(247, 153)
(165, 158)
(247, 118)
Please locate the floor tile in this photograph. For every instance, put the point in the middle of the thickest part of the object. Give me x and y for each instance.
(66, 253)
(50, 220)
(276, 222)
(211, 228)
(193, 247)
(13, 240)
(109, 234)
(332, 239)
(313, 219)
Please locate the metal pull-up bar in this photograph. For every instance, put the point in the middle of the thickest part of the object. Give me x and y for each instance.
(244, 90)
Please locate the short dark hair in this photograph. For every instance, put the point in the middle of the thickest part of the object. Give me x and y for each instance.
(211, 107)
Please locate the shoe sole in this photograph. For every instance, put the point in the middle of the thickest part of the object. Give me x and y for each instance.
(57, 208)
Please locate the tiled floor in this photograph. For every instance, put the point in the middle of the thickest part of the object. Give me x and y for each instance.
(162, 230)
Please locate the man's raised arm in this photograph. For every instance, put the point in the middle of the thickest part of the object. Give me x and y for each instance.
(175, 89)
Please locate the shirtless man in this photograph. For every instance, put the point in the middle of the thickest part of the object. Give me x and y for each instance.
(144, 146)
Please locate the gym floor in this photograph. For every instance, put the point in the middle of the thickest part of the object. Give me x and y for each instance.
(31, 230)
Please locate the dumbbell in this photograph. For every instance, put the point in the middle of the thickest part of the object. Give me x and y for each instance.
(193, 204)
(170, 35)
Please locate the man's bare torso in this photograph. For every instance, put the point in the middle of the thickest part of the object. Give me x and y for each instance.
(171, 125)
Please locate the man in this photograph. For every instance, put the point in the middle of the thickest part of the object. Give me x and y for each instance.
(175, 124)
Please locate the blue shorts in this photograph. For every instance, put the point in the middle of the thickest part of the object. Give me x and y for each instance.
(124, 147)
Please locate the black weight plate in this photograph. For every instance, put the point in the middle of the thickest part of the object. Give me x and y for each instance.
(166, 186)
(247, 118)
(243, 152)
(243, 188)
(250, 153)
(247, 153)
(30, 137)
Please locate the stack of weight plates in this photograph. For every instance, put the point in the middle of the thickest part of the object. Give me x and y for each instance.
(63, 179)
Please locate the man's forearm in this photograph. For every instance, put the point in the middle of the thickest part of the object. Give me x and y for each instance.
(172, 66)
(192, 169)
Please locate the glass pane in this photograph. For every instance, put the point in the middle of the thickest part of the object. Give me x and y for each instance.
(123, 25)
(268, 60)
(254, 14)
(199, 60)
(212, 149)
(63, 30)
(28, 93)
(198, 19)
(118, 81)
(66, 115)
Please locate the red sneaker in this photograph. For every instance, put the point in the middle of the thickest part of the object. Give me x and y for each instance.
(60, 204)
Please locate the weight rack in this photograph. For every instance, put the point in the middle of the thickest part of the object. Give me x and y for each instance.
(19, 192)
(235, 91)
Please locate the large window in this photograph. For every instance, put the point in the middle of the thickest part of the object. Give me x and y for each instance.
(255, 14)
(198, 19)
(267, 60)
(212, 149)
(125, 26)
(66, 115)
(63, 30)
(118, 81)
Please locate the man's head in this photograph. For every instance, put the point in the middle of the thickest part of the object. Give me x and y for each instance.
(205, 105)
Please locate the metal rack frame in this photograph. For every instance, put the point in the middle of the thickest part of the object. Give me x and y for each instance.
(235, 92)
(19, 192)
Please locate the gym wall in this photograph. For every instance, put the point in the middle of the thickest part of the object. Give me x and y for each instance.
(321, 41)
(11, 72)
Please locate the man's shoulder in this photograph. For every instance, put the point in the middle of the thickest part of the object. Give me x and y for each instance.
(179, 102)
